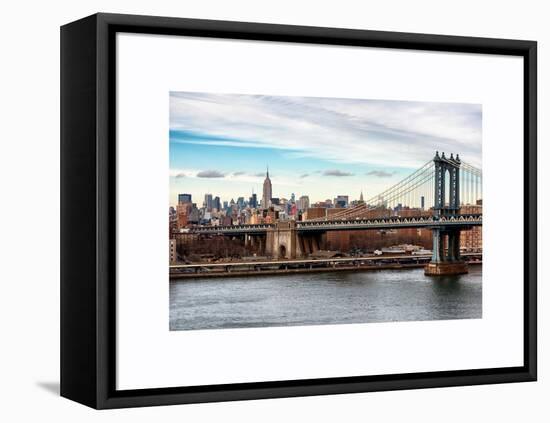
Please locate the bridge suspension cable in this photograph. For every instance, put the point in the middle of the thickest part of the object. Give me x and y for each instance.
(416, 191)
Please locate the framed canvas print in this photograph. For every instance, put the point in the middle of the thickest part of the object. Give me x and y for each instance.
(258, 211)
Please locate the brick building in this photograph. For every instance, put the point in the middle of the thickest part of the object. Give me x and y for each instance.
(472, 240)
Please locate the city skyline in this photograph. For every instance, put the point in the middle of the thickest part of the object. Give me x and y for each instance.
(200, 199)
(320, 147)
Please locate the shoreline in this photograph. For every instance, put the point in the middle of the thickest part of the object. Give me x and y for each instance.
(271, 272)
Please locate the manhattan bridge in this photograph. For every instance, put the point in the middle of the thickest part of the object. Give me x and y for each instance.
(442, 186)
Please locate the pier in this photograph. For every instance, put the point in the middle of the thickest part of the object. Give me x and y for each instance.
(270, 267)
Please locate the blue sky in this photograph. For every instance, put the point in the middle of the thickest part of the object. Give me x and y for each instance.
(321, 147)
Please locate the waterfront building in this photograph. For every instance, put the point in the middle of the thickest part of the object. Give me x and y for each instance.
(173, 251)
(267, 191)
(472, 239)
(173, 221)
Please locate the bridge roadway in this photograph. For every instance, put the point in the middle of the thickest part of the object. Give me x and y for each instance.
(393, 222)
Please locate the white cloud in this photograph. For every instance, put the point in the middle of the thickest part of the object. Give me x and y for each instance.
(375, 132)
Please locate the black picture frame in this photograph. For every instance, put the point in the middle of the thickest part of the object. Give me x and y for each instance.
(88, 199)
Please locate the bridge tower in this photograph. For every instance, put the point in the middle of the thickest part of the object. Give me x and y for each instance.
(446, 204)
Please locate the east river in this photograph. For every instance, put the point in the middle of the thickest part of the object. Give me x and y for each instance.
(323, 298)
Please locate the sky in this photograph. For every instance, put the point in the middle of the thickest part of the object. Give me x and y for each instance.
(321, 147)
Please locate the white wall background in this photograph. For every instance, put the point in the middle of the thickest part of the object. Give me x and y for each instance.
(29, 210)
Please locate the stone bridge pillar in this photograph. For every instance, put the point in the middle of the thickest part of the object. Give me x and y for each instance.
(281, 241)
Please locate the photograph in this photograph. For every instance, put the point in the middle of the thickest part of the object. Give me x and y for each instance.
(298, 211)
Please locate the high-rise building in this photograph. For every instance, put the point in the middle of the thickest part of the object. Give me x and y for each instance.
(267, 193)
(341, 201)
(183, 210)
(422, 202)
(184, 198)
(253, 201)
(303, 202)
(293, 209)
(216, 203)
(208, 202)
(194, 214)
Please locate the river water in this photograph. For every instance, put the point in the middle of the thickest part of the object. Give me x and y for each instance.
(323, 298)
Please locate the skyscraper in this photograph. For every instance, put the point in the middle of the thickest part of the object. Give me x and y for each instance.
(216, 203)
(253, 201)
(184, 198)
(266, 198)
(341, 201)
(208, 202)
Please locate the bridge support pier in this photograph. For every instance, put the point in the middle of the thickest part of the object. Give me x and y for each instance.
(285, 242)
(449, 263)
(281, 241)
(446, 268)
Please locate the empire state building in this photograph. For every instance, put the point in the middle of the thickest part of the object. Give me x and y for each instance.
(266, 198)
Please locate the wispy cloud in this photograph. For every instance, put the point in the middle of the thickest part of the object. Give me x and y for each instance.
(239, 173)
(374, 132)
(380, 173)
(336, 172)
(304, 175)
(210, 174)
